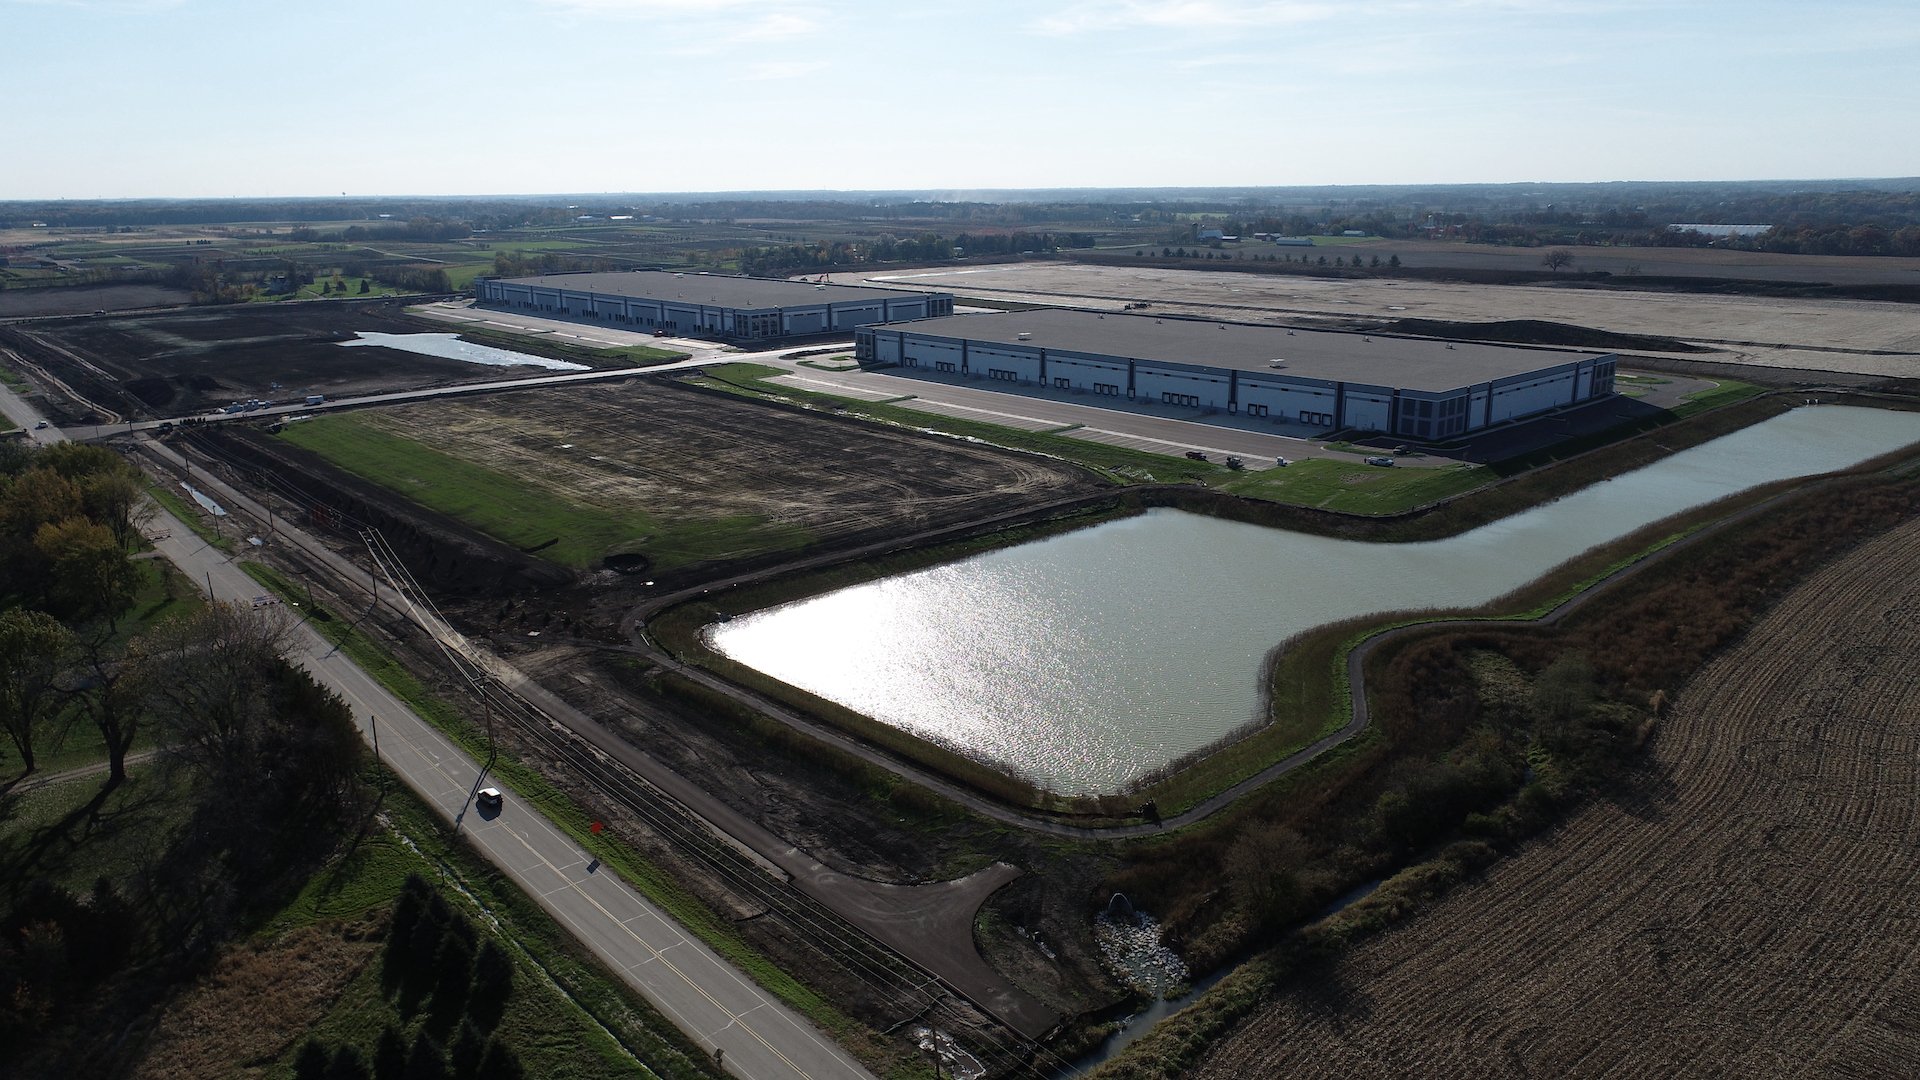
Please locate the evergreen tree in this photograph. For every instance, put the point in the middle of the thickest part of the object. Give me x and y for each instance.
(389, 1055)
(500, 1063)
(468, 1047)
(424, 1060)
(348, 1064)
(311, 1062)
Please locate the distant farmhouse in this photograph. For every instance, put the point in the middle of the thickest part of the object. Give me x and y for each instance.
(1411, 387)
(733, 308)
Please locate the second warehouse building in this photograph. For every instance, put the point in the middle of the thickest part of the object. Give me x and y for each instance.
(1413, 387)
(711, 305)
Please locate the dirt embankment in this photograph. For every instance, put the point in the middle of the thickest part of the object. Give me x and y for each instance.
(1746, 907)
(1538, 332)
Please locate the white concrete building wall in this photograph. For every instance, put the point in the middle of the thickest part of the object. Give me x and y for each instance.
(985, 361)
(1368, 410)
(1083, 373)
(1532, 395)
(1206, 391)
(807, 320)
(848, 316)
(1283, 397)
(898, 310)
(929, 354)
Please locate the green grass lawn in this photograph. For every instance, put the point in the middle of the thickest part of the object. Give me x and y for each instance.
(503, 506)
(59, 832)
(526, 515)
(1726, 392)
(180, 506)
(1356, 488)
(462, 274)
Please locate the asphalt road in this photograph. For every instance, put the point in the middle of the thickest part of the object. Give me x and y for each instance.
(930, 924)
(706, 997)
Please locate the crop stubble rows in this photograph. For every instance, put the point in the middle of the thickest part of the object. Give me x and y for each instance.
(1750, 906)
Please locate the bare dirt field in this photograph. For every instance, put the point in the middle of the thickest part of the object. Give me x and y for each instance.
(1854, 336)
(82, 300)
(186, 362)
(1746, 907)
(681, 480)
(1655, 261)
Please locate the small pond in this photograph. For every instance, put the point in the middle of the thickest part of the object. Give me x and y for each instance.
(450, 347)
(1085, 660)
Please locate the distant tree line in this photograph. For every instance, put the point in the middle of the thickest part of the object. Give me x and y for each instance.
(885, 248)
(419, 229)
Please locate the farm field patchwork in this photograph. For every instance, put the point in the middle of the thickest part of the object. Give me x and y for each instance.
(1749, 900)
(181, 363)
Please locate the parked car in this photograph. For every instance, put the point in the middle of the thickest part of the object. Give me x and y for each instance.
(1403, 451)
(1236, 464)
(489, 798)
(1282, 462)
(41, 426)
(1196, 455)
(1380, 459)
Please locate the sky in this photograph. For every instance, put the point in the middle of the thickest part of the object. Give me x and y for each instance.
(209, 98)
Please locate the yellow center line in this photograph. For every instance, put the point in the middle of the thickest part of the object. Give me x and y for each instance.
(735, 1018)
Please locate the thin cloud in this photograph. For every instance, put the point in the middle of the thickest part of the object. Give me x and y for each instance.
(779, 25)
(1097, 15)
(768, 70)
(653, 8)
(1184, 14)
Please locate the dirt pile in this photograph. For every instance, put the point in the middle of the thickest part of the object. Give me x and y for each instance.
(1539, 332)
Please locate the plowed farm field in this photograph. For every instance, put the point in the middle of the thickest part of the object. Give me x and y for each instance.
(1750, 907)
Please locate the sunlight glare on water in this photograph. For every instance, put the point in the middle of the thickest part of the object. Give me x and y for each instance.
(1085, 660)
(450, 347)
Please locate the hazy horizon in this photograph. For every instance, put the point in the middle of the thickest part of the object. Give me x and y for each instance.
(215, 99)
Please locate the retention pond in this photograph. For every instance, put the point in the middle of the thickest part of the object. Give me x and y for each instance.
(450, 347)
(1084, 661)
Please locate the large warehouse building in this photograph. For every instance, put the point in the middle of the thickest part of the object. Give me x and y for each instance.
(735, 308)
(1411, 387)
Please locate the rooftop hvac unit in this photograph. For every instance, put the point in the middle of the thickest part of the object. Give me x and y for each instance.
(1276, 363)
(1024, 336)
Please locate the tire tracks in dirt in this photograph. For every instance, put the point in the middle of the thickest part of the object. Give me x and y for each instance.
(1747, 907)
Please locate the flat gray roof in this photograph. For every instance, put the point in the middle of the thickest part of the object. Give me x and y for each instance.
(713, 290)
(1407, 363)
